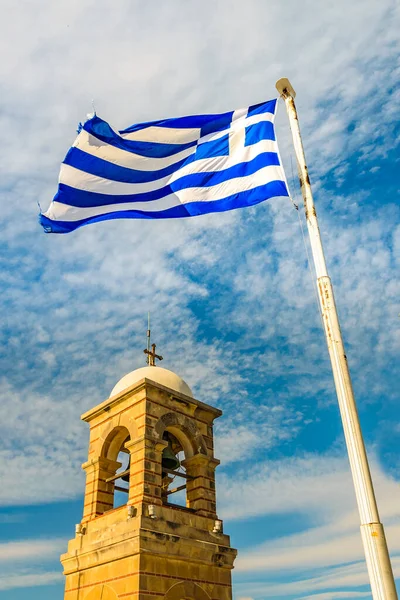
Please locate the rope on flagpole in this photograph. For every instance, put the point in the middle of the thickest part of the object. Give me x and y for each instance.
(314, 285)
(296, 205)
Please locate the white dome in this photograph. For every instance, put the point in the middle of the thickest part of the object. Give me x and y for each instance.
(157, 374)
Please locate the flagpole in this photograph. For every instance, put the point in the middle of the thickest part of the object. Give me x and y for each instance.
(372, 532)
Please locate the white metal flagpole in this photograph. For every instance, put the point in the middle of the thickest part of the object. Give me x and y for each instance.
(372, 532)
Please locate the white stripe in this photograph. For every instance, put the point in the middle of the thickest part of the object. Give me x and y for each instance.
(92, 145)
(260, 118)
(163, 135)
(82, 180)
(64, 212)
(170, 135)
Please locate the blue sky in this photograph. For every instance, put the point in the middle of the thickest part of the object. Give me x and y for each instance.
(233, 304)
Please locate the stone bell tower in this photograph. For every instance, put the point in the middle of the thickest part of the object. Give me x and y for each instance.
(150, 548)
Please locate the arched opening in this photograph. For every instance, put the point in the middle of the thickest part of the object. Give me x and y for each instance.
(114, 449)
(121, 484)
(104, 592)
(185, 441)
(187, 590)
(173, 475)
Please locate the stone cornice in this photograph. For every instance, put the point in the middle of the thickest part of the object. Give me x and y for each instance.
(137, 387)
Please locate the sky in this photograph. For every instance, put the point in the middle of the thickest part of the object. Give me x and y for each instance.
(232, 296)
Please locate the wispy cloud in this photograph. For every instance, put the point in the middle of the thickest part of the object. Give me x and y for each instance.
(15, 555)
(233, 305)
(336, 595)
(320, 492)
(26, 579)
(340, 581)
(35, 550)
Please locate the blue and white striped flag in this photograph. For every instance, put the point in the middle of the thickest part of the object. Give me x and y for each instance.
(170, 168)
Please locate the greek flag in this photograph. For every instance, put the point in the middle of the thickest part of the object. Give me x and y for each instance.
(170, 168)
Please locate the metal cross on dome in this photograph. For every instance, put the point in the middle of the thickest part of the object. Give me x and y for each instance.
(152, 356)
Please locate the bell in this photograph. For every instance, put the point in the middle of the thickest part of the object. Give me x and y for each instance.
(126, 477)
(169, 460)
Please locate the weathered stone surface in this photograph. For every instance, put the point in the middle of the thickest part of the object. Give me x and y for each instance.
(125, 555)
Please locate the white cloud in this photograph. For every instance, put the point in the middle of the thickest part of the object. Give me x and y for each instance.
(319, 490)
(95, 287)
(232, 301)
(336, 595)
(34, 550)
(37, 553)
(346, 577)
(27, 580)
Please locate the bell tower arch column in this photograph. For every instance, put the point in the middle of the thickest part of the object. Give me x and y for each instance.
(99, 493)
(145, 471)
(201, 494)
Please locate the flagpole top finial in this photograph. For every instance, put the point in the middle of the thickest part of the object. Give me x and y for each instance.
(285, 88)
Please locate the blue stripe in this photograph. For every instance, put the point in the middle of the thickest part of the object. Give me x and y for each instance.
(259, 131)
(263, 107)
(243, 169)
(101, 130)
(207, 123)
(240, 200)
(190, 122)
(102, 168)
(84, 199)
